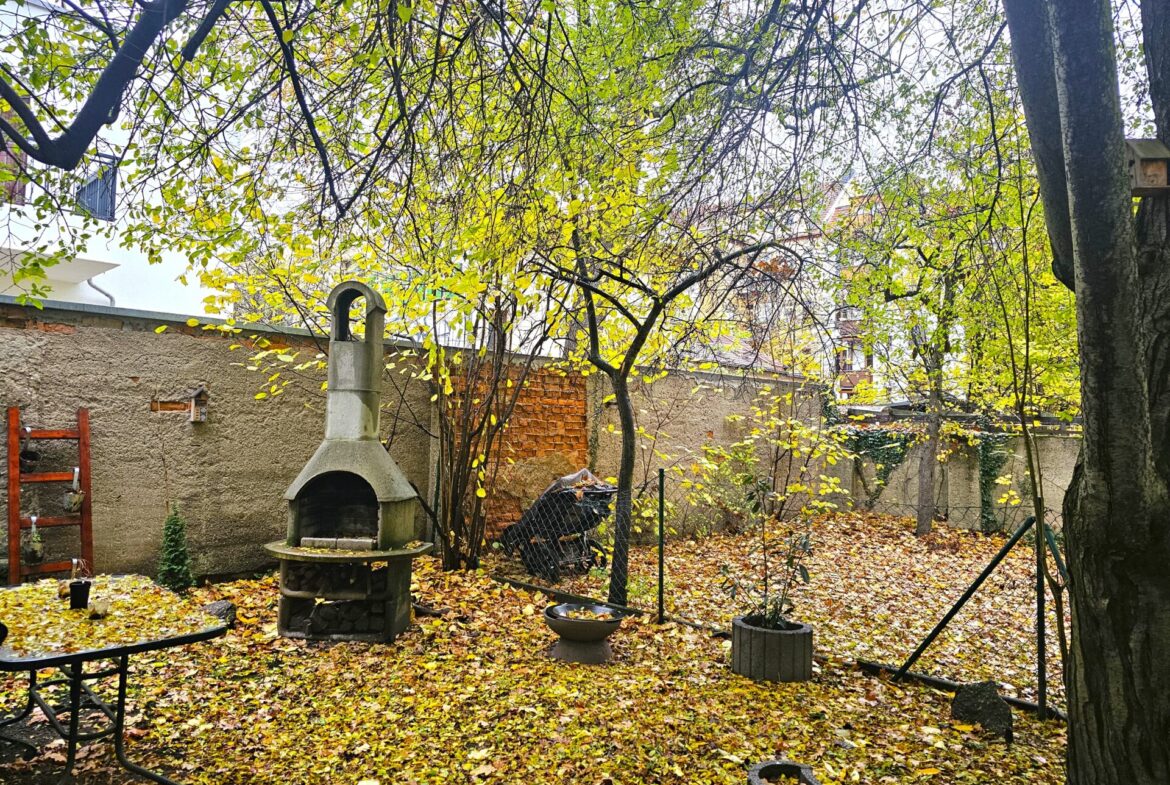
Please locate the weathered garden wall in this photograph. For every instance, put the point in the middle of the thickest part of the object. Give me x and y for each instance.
(228, 474)
(957, 483)
(680, 414)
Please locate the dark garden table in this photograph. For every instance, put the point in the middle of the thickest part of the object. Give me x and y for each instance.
(44, 634)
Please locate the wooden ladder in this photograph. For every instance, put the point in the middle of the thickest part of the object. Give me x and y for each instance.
(17, 522)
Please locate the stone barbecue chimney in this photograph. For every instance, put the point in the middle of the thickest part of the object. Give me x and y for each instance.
(346, 562)
(351, 489)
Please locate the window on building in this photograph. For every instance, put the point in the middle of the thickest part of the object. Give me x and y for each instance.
(98, 195)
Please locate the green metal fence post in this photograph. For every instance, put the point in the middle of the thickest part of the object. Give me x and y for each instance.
(661, 545)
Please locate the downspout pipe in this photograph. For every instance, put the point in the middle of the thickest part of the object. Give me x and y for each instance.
(101, 291)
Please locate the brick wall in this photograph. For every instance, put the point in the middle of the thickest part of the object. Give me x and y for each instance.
(549, 418)
(546, 438)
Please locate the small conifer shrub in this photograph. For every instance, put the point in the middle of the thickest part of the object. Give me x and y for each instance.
(174, 564)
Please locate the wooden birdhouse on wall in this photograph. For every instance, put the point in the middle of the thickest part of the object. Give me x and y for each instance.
(198, 397)
(193, 403)
(1149, 167)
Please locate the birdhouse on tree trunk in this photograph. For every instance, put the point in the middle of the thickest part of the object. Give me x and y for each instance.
(1149, 167)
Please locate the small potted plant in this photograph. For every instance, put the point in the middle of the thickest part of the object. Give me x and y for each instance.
(766, 644)
(74, 497)
(79, 585)
(34, 546)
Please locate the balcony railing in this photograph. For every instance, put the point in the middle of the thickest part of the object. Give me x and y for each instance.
(96, 196)
(11, 179)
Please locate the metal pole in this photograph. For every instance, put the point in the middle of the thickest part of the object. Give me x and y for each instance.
(661, 545)
(1041, 649)
(938, 628)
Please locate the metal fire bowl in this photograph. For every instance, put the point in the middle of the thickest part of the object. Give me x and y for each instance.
(582, 630)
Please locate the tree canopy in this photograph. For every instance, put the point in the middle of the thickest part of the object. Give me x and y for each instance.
(598, 174)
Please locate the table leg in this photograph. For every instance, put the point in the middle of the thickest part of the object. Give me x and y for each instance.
(76, 673)
(119, 728)
(30, 750)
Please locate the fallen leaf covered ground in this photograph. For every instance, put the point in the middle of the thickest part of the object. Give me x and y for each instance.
(39, 620)
(876, 591)
(472, 697)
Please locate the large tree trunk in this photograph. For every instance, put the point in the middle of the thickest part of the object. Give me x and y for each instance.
(928, 466)
(1117, 515)
(619, 568)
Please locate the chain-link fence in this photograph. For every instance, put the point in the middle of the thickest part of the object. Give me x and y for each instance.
(984, 518)
(557, 535)
(874, 590)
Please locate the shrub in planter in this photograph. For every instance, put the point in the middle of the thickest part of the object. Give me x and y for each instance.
(766, 643)
(766, 654)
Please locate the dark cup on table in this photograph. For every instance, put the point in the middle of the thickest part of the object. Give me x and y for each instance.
(79, 595)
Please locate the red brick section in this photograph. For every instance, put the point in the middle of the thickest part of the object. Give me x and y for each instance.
(548, 423)
(12, 319)
(54, 327)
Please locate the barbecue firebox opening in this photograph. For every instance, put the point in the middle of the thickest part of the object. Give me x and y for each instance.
(336, 505)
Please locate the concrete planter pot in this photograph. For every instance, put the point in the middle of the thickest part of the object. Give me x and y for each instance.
(771, 655)
(775, 771)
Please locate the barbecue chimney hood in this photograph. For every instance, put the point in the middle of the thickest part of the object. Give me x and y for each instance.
(351, 489)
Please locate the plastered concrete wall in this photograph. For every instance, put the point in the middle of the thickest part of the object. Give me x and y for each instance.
(900, 494)
(957, 492)
(228, 474)
(1057, 457)
(680, 413)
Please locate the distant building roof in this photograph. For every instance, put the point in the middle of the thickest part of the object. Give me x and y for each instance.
(735, 355)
